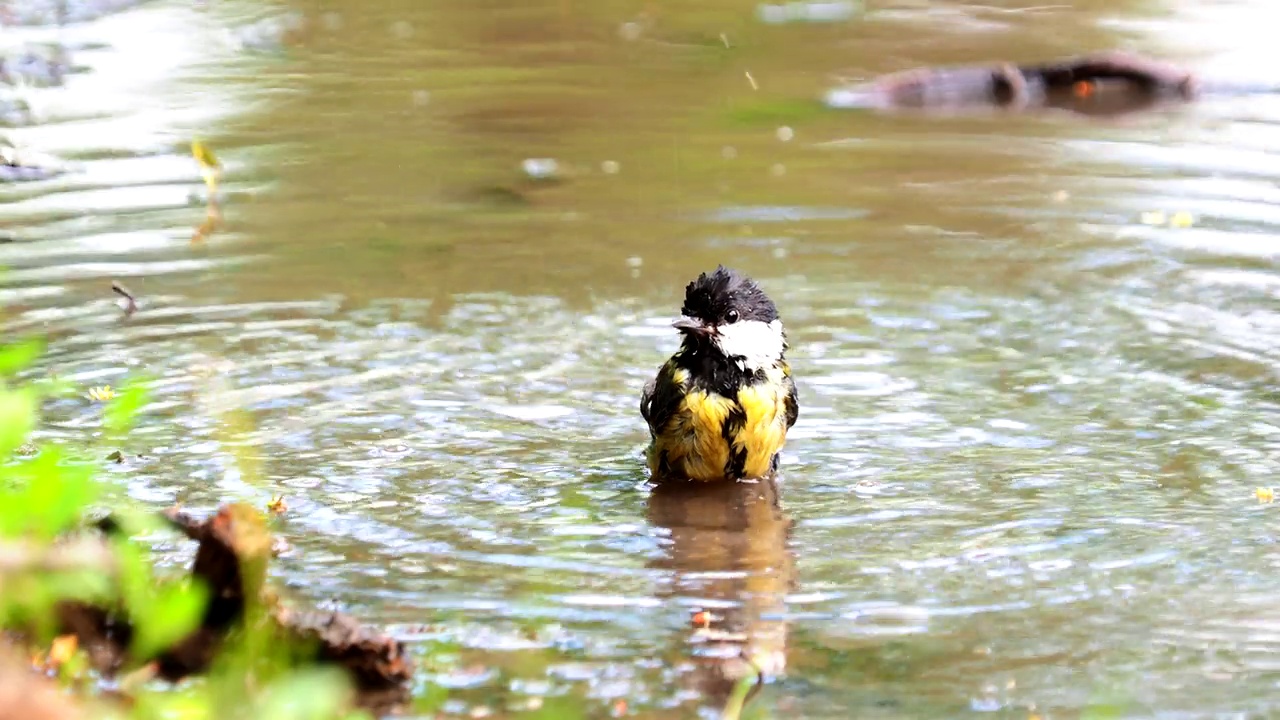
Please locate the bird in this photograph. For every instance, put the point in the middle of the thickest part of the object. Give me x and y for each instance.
(721, 406)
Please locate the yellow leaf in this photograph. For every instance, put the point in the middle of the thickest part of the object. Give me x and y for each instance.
(276, 506)
(62, 649)
(204, 155)
(1265, 495)
(1182, 219)
(101, 394)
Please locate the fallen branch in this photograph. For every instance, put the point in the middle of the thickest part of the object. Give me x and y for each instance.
(233, 549)
(1102, 83)
(131, 303)
(375, 660)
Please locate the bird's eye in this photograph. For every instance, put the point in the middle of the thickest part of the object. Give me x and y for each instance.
(731, 316)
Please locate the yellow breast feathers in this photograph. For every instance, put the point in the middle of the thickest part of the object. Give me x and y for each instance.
(710, 437)
(764, 430)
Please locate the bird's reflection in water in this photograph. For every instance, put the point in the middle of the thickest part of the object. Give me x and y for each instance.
(730, 561)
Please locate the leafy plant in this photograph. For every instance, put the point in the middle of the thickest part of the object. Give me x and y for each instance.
(47, 493)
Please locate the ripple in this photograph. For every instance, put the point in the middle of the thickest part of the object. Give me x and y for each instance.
(771, 213)
(1030, 425)
(861, 383)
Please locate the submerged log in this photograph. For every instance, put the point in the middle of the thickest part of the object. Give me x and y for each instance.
(1104, 83)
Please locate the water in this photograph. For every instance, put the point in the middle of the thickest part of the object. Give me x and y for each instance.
(1034, 410)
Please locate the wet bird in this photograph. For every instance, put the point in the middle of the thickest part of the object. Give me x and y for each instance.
(721, 407)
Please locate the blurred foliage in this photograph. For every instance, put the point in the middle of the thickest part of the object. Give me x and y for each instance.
(47, 492)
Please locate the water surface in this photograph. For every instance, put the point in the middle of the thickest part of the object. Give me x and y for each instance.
(1034, 406)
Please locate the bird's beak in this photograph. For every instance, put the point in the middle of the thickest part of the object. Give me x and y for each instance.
(692, 326)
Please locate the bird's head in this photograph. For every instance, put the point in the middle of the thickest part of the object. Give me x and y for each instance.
(726, 312)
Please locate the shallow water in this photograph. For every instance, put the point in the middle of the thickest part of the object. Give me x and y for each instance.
(1033, 412)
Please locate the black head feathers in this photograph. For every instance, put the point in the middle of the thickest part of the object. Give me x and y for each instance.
(725, 296)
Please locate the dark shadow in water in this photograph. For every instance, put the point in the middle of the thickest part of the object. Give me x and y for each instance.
(730, 557)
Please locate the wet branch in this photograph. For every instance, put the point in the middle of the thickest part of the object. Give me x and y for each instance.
(122, 291)
(232, 553)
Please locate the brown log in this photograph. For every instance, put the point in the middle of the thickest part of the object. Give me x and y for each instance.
(1144, 74)
(1100, 83)
(375, 660)
(233, 549)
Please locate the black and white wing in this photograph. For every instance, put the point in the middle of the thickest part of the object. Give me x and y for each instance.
(792, 399)
(661, 398)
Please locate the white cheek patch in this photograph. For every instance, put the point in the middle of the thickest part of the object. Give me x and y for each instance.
(754, 343)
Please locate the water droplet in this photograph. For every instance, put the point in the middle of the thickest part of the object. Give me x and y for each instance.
(984, 705)
(778, 170)
(729, 152)
(540, 168)
(814, 12)
(630, 31)
(785, 133)
(609, 167)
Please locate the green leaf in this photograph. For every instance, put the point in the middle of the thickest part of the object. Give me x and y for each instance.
(17, 419)
(56, 495)
(120, 412)
(162, 614)
(174, 611)
(16, 357)
(738, 698)
(56, 387)
(135, 576)
(183, 702)
(427, 702)
(308, 695)
(134, 521)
